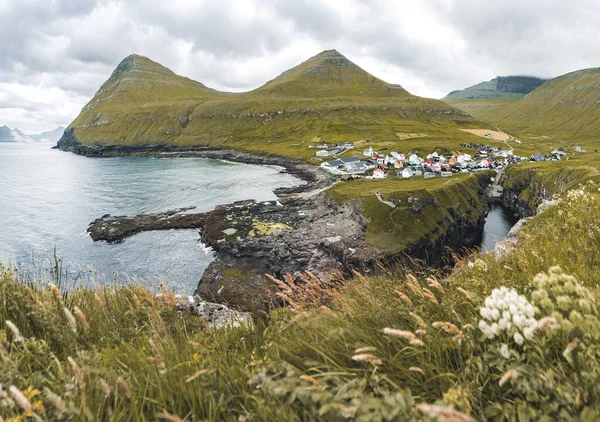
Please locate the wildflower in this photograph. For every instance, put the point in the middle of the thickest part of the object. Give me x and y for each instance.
(418, 319)
(480, 265)
(417, 342)
(507, 311)
(55, 399)
(365, 349)
(505, 351)
(76, 369)
(81, 317)
(416, 369)
(71, 320)
(15, 331)
(471, 265)
(404, 297)
(368, 358)
(399, 333)
(169, 417)
(197, 374)
(512, 374)
(308, 378)
(104, 385)
(518, 338)
(124, 387)
(429, 295)
(547, 322)
(20, 398)
(447, 327)
(420, 332)
(441, 413)
(570, 347)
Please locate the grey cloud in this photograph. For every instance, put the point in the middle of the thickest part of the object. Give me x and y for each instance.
(431, 47)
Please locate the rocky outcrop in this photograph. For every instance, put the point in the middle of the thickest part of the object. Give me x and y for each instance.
(216, 315)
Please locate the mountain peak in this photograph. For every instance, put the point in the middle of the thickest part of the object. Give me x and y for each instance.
(329, 74)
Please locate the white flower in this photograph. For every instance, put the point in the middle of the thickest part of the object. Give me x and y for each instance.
(518, 338)
(495, 314)
(505, 351)
(528, 332)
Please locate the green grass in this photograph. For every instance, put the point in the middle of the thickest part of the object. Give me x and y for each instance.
(298, 365)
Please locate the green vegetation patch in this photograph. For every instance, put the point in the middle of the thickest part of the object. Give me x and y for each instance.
(425, 208)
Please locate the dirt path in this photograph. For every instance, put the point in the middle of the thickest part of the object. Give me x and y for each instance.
(496, 135)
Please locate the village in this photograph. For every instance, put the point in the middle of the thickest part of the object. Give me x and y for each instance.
(440, 162)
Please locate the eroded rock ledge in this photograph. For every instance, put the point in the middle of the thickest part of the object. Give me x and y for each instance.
(252, 239)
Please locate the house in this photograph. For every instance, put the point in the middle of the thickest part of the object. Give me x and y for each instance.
(559, 151)
(340, 166)
(408, 173)
(538, 157)
(378, 174)
(380, 159)
(398, 164)
(446, 174)
(579, 149)
(359, 167)
(428, 175)
(368, 152)
(328, 152)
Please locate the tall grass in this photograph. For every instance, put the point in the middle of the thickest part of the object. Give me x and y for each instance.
(399, 346)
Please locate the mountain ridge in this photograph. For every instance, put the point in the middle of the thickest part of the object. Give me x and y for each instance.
(325, 97)
(480, 100)
(17, 135)
(566, 106)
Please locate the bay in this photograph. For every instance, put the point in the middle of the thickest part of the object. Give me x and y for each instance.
(49, 197)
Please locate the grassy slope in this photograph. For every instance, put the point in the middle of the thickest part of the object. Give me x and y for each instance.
(327, 97)
(483, 98)
(299, 366)
(393, 230)
(565, 107)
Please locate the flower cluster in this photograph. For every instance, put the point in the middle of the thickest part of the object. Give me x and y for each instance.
(478, 265)
(507, 311)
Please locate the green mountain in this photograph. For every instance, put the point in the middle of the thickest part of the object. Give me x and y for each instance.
(325, 98)
(483, 98)
(564, 107)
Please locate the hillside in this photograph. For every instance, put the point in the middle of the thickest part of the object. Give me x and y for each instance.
(483, 98)
(326, 98)
(566, 107)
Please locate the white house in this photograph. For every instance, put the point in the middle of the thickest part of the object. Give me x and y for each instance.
(368, 152)
(378, 174)
(407, 173)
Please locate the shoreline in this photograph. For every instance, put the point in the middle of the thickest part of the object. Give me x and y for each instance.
(303, 231)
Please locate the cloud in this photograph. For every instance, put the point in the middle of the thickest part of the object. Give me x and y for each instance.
(61, 51)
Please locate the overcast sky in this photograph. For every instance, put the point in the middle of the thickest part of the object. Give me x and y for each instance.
(55, 54)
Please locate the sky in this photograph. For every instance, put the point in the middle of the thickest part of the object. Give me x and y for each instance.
(55, 54)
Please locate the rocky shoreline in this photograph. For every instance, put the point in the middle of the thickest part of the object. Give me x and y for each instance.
(303, 231)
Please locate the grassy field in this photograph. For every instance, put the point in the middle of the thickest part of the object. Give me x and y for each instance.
(393, 347)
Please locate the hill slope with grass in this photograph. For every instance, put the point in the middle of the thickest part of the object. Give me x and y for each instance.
(513, 337)
(564, 107)
(327, 98)
(483, 98)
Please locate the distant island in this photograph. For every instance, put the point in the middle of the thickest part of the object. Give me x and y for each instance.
(16, 135)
